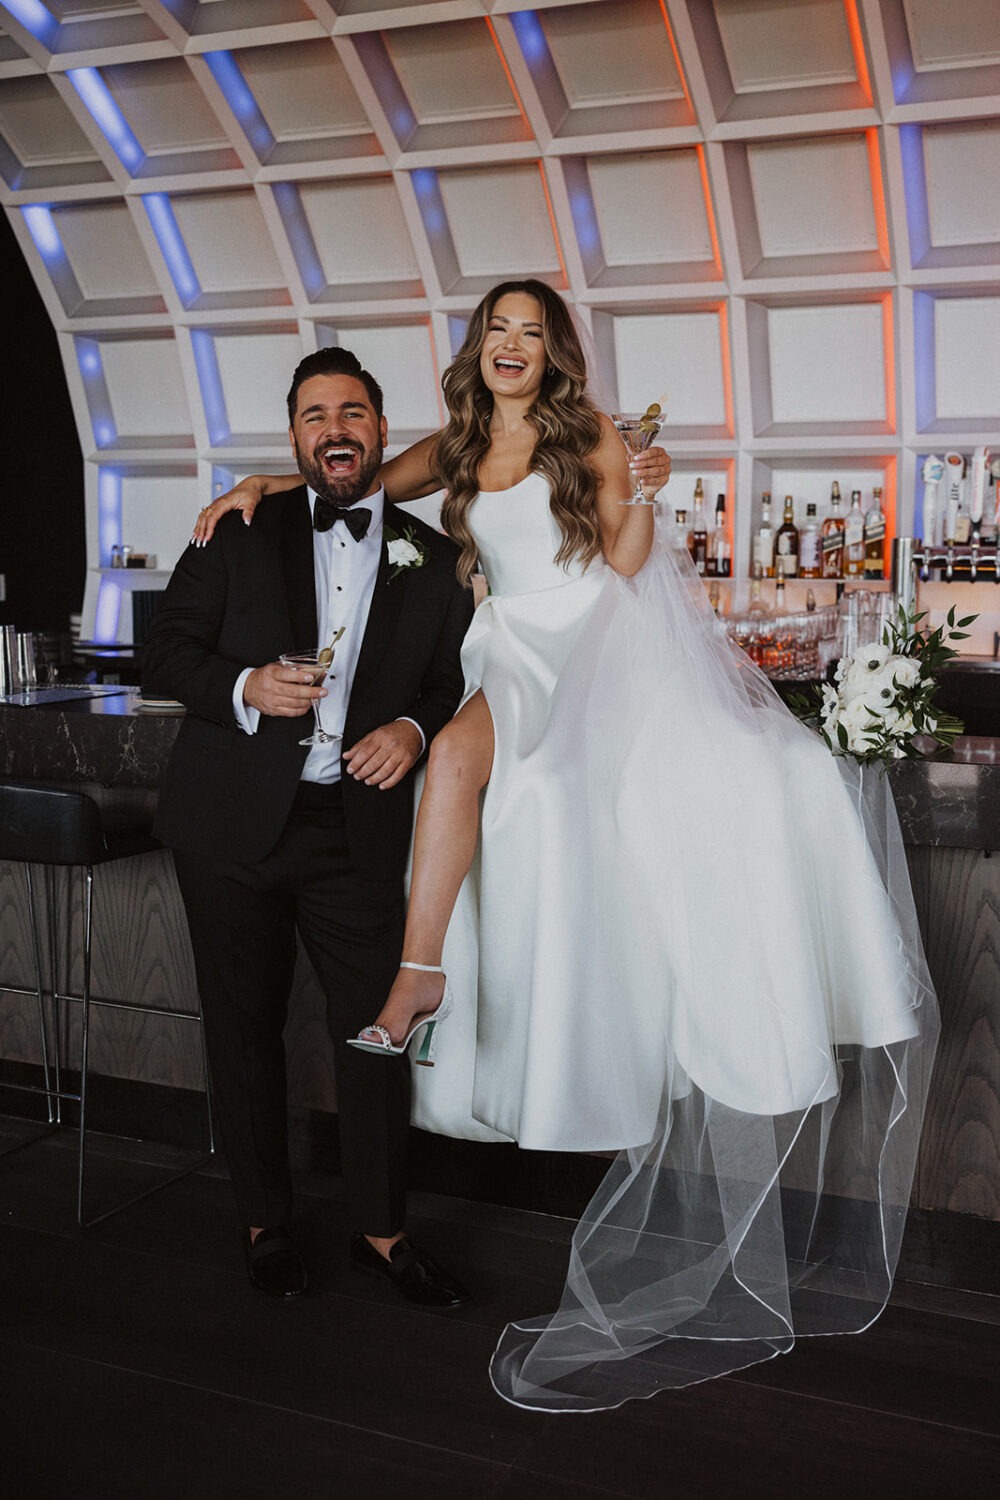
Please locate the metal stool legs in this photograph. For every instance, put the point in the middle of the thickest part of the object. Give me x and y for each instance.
(39, 995)
(86, 1001)
(52, 1051)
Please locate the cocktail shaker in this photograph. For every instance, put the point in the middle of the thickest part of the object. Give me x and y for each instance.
(10, 679)
(26, 660)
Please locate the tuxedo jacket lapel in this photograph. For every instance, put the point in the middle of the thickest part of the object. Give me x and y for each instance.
(387, 601)
(299, 571)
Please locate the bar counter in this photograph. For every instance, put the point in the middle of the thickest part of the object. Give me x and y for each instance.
(949, 807)
(951, 799)
(110, 740)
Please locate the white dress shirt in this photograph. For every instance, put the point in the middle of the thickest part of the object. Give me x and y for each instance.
(345, 573)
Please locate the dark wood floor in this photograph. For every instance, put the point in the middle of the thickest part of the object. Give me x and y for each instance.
(136, 1361)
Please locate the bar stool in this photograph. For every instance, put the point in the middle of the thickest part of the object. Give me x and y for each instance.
(50, 826)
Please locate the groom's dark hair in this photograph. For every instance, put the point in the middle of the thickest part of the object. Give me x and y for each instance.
(334, 361)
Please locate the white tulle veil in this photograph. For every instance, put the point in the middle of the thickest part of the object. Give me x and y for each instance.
(770, 1201)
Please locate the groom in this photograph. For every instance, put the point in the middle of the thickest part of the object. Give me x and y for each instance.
(271, 837)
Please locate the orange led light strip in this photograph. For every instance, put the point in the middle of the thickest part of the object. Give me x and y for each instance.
(508, 74)
(552, 220)
(858, 47)
(878, 195)
(677, 56)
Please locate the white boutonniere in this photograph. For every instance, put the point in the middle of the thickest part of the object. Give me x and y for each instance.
(404, 551)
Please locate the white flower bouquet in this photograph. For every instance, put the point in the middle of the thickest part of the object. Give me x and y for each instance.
(882, 696)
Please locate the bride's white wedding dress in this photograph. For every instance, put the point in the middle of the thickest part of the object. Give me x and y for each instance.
(689, 937)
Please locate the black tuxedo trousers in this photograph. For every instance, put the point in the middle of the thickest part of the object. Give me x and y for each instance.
(243, 919)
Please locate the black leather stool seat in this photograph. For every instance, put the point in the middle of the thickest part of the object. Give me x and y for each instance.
(42, 824)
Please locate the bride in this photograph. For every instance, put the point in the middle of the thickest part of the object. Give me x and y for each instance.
(674, 926)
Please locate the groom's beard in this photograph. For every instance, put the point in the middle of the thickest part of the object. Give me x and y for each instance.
(346, 489)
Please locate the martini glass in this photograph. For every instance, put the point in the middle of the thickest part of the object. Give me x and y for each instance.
(318, 662)
(637, 430)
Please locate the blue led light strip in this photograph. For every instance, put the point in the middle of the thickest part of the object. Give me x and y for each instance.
(225, 70)
(34, 17)
(530, 36)
(109, 513)
(293, 216)
(213, 397)
(108, 612)
(172, 247)
(88, 353)
(42, 228)
(99, 101)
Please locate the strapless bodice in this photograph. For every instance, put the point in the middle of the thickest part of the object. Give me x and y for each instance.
(518, 538)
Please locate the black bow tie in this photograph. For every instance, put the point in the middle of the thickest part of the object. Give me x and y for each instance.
(325, 513)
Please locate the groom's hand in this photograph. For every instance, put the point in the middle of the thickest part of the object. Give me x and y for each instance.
(283, 692)
(385, 755)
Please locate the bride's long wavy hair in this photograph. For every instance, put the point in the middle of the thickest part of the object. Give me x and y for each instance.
(562, 415)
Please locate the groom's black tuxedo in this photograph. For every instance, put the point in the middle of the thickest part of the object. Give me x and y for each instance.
(260, 854)
(240, 602)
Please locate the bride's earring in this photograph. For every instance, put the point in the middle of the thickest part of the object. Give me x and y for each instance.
(550, 369)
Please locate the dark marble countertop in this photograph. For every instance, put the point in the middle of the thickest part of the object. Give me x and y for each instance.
(949, 800)
(108, 741)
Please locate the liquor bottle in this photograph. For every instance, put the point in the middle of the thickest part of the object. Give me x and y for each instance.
(719, 563)
(763, 542)
(758, 605)
(875, 537)
(787, 540)
(699, 531)
(779, 587)
(810, 550)
(854, 538)
(680, 536)
(832, 534)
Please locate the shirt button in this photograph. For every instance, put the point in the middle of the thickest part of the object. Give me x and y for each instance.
(340, 589)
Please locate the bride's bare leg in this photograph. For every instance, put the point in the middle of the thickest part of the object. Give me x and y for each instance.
(458, 768)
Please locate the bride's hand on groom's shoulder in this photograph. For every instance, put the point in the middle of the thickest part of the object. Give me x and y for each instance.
(244, 496)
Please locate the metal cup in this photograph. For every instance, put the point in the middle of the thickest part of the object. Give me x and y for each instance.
(10, 679)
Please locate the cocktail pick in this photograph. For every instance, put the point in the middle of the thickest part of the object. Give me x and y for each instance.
(325, 656)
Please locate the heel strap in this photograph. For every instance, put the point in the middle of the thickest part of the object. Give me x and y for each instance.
(424, 968)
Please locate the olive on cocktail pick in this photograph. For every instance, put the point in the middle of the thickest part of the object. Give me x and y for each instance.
(325, 655)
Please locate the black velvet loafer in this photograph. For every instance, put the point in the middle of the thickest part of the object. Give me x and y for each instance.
(274, 1265)
(414, 1275)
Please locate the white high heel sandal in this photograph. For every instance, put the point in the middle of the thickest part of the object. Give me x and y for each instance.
(427, 1024)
